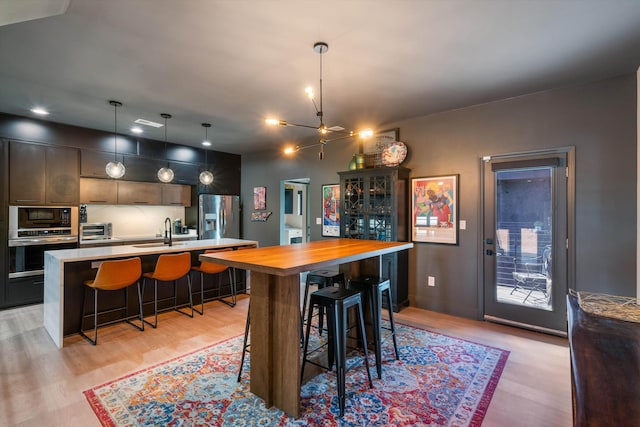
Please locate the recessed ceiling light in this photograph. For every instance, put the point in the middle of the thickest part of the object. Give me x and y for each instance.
(40, 111)
(148, 123)
(206, 143)
(136, 129)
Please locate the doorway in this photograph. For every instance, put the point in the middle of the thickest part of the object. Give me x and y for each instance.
(294, 211)
(527, 213)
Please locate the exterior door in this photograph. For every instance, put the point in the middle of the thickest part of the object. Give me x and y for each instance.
(525, 205)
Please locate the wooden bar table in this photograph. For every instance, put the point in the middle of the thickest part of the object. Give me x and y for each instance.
(275, 305)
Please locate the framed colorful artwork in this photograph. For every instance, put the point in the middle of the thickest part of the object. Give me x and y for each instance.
(331, 210)
(434, 209)
(259, 198)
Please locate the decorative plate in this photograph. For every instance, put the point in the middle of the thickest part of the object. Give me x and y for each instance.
(394, 153)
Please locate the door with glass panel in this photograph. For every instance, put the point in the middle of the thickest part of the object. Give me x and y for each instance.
(525, 240)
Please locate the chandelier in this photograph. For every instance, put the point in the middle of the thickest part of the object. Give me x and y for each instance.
(326, 134)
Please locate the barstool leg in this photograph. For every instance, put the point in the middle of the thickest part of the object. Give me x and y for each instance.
(201, 311)
(393, 325)
(306, 344)
(175, 297)
(376, 311)
(232, 285)
(244, 344)
(93, 340)
(363, 333)
(340, 345)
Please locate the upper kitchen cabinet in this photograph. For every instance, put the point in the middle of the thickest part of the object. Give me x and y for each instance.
(93, 163)
(139, 193)
(98, 191)
(142, 168)
(175, 194)
(43, 175)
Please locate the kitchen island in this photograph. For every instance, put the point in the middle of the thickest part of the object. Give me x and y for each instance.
(66, 270)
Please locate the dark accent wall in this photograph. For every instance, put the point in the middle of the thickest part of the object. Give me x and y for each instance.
(598, 119)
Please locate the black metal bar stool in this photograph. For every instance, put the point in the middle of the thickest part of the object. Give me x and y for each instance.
(337, 301)
(322, 279)
(373, 288)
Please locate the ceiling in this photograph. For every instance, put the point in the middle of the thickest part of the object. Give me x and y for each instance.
(234, 63)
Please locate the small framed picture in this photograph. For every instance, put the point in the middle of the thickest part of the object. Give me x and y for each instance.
(259, 198)
(331, 210)
(434, 213)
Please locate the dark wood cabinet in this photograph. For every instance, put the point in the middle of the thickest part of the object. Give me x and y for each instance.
(176, 194)
(27, 166)
(374, 207)
(98, 191)
(93, 163)
(24, 290)
(43, 175)
(139, 193)
(62, 176)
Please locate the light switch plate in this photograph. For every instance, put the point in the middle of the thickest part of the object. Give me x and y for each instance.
(318, 221)
(463, 224)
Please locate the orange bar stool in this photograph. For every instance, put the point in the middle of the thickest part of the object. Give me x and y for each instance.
(170, 268)
(212, 268)
(113, 276)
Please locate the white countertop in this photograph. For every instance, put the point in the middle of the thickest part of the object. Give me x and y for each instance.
(102, 252)
(115, 240)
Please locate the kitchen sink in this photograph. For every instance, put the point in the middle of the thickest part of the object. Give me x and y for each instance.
(157, 245)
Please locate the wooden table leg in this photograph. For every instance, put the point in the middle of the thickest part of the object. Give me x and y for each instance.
(275, 340)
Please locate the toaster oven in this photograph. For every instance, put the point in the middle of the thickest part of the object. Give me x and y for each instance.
(95, 231)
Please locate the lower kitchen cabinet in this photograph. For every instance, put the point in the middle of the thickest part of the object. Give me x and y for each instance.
(24, 290)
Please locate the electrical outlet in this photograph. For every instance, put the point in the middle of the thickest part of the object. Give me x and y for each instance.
(431, 281)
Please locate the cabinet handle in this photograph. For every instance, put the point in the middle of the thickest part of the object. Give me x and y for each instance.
(27, 200)
(97, 201)
(66, 202)
(140, 202)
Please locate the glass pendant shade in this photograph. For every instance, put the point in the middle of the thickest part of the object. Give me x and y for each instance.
(206, 177)
(165, 174)
(115, 169)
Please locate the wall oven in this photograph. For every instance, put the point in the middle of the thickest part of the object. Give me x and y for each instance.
(36, 229)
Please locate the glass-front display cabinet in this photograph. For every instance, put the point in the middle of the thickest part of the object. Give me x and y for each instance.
(374, 206)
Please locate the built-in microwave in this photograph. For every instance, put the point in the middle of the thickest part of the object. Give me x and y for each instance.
(95, 231)
(34, 222)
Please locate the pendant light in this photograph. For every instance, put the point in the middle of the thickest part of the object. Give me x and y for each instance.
(165, 174)
(206, 177)
(115, 169)
(324, 132)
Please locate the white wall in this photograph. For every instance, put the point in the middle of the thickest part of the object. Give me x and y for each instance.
(134, 221)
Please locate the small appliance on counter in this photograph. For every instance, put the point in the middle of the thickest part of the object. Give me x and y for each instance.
(95, 231)
(83, 214)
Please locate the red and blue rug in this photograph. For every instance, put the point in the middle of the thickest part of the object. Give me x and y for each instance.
(438, 381)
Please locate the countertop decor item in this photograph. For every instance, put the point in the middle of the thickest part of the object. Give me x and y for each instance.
(325, 133)
(115, 169)
(165, 174)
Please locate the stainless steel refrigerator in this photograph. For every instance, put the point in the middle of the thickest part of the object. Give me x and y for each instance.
(218, 216)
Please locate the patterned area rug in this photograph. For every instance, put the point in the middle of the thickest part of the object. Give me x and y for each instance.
(439, 380)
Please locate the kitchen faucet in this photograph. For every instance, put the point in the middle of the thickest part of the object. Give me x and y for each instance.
(167, 231)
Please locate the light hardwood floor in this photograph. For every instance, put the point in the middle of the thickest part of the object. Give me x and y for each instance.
(42, 386)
